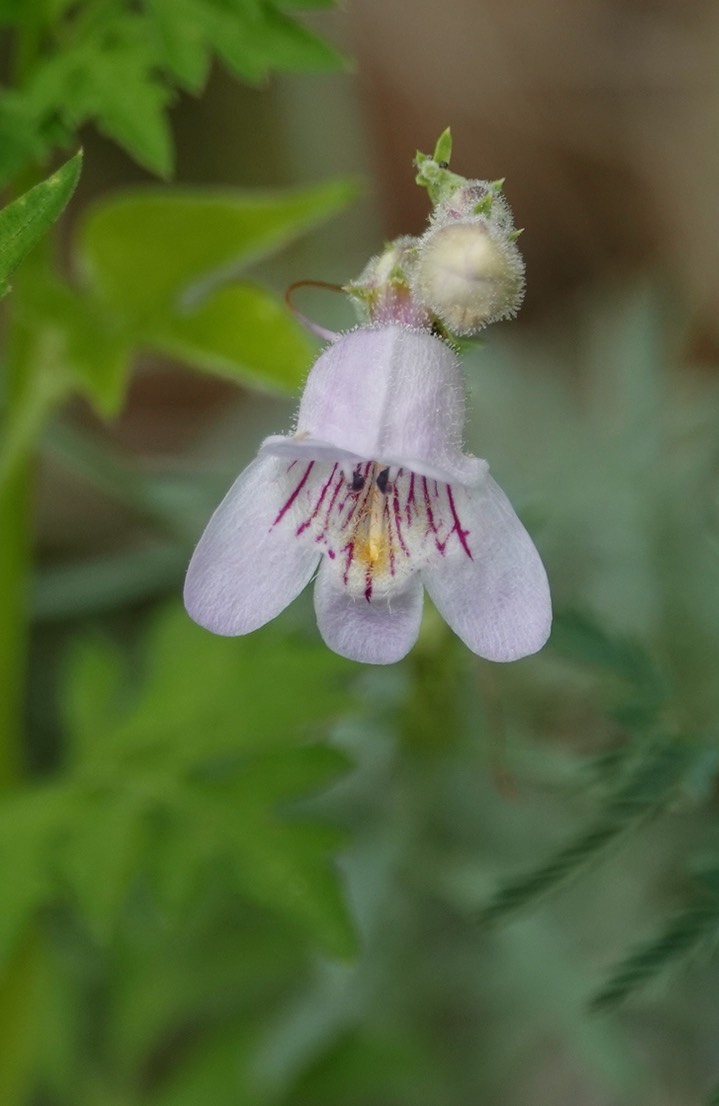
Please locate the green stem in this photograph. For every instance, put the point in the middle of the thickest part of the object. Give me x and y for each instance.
(31, 389)
(15, 485)
(14, 559)
(31, 392)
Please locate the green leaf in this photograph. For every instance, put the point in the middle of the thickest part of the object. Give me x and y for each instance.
(242, 332)
(266, 39)
(92, 698)
(251, 39)
(84, 348)
(108, 75)
(152, 250)
(206, 758)
(162, 262)
(24, 222)
(21, 142)
(579, 637)
(205, 696)
(217, 1070)
(99, 854)
(28, 830)
(277, 860)
(655, 779)
(678, 939)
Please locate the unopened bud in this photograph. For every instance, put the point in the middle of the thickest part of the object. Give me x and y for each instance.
(382, 291)
(468, 273)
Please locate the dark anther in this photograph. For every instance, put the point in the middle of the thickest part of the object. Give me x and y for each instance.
(357, 481)
(382, 480)
(443, 165)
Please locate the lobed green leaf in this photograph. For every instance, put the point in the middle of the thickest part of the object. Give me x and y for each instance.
(209, 755)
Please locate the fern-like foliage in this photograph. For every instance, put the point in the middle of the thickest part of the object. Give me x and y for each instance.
(119, 64)
(682, 935)
(643, 792)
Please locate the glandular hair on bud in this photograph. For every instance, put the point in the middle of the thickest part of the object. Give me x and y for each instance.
(468, 275)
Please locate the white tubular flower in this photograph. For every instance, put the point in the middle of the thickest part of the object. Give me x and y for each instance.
(374, 489)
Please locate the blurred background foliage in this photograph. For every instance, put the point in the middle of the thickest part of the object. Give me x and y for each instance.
(247, 870)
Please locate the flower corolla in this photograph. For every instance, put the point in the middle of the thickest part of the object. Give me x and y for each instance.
(373, 489)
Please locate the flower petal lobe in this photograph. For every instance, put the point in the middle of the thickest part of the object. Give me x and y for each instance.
(249, 564)
(377, 631)
(493, 592)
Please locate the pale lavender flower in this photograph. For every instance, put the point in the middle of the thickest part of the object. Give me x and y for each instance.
(373, 488)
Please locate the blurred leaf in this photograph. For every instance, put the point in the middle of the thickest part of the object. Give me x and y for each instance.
(579, 637)
(106, 72)
(162, 261)
(182, 41)
(242, 332)
(251, 38)
(19, 1007)
(215, 1070)
(210, 746)
(152, 251)
(115, 63)
(100, 852)
(654, 779)
(271, 41)
(358, 1068)
(83, 347)
(232, 963)
(28, 829)
(107, 583)
(27, 219)
(227, 701)
(292, 4)
(92, 701)
(679, 937)
(273, 858)
(21, 142)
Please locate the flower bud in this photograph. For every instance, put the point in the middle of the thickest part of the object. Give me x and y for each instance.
(468, 273)
(382, 294)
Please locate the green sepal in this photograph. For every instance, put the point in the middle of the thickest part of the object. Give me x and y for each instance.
(443, 147)
(434, 175)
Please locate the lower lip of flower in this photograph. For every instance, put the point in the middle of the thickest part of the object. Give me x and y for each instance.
(378, 523)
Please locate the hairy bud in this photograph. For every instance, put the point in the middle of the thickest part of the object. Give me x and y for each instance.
(382, 293)
(467, 276)
(468, 270)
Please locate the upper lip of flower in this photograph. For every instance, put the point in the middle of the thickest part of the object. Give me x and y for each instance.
(468, 471)
(374, 484)
(392, 394)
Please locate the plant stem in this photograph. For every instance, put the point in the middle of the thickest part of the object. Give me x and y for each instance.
(14, 565)
(32, 387)
(14, 555)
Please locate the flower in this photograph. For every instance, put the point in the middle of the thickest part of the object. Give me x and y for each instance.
(374, 489)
